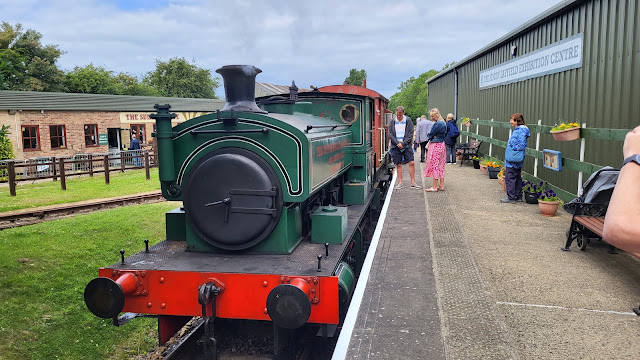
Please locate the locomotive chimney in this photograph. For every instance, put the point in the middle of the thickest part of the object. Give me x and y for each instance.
(240, 88)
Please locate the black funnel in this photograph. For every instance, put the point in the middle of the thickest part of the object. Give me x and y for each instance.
(240, 88)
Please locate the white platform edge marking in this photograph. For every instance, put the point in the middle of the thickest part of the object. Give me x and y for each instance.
(342, 345)
(565, 308)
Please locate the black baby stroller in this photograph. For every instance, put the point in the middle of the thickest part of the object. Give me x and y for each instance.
(590, 208)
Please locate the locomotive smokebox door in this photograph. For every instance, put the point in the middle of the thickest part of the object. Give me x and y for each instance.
(232, 199)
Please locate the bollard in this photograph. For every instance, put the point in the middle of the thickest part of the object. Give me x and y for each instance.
(106, 169)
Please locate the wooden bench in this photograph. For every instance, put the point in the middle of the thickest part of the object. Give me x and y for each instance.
(468, 150)
(587, 223)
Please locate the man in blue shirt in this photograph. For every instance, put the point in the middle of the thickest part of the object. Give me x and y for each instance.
(400, 133)
(422, 135)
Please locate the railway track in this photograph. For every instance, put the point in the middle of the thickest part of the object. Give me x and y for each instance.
(241, 340)
(34, 216)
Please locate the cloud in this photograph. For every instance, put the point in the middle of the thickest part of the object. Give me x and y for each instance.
(313, 43)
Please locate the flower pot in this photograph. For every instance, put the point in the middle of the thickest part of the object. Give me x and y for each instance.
(476, 164)
(530, 197)
(548, 208)
(502, 183)
(493, 172)
(467, 124)
(484, 169)
(566, 135)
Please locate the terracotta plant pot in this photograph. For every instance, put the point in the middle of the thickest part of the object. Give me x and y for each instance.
(493, 172)
(566, 135)
(548, 208)
(476, 164)
(503, 185)
(484, 169)
(467, 124)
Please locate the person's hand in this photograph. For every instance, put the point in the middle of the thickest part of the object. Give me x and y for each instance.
(631, 143)
(400, 145)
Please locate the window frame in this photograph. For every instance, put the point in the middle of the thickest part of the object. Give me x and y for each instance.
(63, 137)
(37, 138)
(96, 135)
(138, 126)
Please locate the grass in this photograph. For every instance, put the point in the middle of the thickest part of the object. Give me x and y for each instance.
(30, 195)
(44, 269)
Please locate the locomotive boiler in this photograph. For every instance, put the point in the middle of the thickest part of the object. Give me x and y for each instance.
(275, 196)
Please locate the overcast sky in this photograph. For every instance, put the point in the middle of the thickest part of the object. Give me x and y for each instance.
(311, 42)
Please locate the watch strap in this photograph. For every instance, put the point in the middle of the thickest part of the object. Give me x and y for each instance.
(633, 158)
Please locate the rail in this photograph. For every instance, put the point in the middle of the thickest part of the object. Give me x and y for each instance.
(536, 153)
(14, 171)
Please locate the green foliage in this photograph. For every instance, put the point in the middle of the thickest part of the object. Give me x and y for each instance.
(27, 64)
(356, 77)
(413, 95)
(6, 148)
(43, 271)
(179, 78)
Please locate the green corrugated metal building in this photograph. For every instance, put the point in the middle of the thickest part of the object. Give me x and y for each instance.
(579, 61)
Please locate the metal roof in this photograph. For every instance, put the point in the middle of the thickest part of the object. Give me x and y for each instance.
(33, 100)
(265, 89)
(553, 11)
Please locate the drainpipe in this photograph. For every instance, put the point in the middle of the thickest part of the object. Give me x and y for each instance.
(455, 96)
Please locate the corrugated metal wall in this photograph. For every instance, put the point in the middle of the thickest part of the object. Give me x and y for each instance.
(603, 93)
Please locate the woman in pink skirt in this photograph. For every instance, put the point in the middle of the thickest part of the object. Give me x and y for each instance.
(436, 152)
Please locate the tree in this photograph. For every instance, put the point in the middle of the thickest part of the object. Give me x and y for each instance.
(179, 78)
(413, 95)
(356, 77)
(25, 64)
(6, 148)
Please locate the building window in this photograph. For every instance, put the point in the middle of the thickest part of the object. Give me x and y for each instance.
(138, 131)
(58, 136)
(30, 138)
(91, 135)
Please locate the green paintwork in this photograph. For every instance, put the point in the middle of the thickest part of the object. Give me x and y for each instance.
(329, 225)
(283, 239)
(176, 222)
(346, 279)
(355, 192)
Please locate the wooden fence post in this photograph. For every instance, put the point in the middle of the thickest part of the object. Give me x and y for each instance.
(90, 165)
(63, 180)
(53, 167)
(146, 164)
(12, 178)
(106, 169)
(121, 161)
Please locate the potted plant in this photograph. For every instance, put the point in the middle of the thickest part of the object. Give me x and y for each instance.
(466, 122)
(483, 166)
(566, 132)
(548, 203)
(476, 162)
(493, 168)
(532, 191)
(501, 181)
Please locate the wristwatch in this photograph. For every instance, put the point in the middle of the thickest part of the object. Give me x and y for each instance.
(633, 158)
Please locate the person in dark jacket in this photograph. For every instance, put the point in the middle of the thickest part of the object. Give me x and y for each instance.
(513, 170)
(436, 152)
(451, 138)
(135, 145)
(400, 133)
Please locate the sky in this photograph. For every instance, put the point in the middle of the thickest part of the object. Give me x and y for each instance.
(312, 42)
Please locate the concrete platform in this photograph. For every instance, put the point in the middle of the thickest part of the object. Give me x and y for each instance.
(459, 275)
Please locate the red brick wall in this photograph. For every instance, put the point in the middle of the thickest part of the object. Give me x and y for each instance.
(74, 122)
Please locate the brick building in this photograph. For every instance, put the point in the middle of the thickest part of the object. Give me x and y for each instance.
(64, 124)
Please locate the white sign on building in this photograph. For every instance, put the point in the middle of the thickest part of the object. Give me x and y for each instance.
(557, 57)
